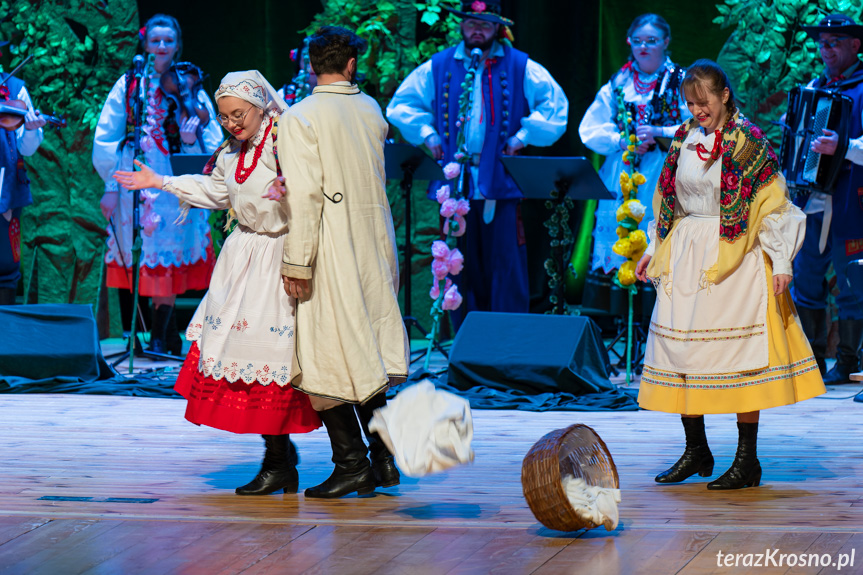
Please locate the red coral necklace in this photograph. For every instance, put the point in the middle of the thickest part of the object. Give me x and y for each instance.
(702, 152)
(242, 173)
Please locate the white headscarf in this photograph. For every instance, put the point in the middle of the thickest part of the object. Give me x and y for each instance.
(252, 87)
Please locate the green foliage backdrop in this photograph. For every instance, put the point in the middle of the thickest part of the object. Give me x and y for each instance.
(768, 53)
(79, 49)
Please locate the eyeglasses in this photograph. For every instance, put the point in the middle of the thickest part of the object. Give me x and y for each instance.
(474, 24)
(234, 119)
(831, 43)
(649, 42)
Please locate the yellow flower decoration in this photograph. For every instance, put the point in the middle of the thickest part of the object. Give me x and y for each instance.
(626, 273)
(638, 240)
(633, 138)
(631, 147)
(638, 178)
(622, 232)
(622, 247)
(630, 209)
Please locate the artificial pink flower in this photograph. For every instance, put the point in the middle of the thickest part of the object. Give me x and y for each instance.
(462, 208)
(461, 226)
(459, 155)
(149, 223)
(440, 269)
(435, 290)
(447, 209)
(442, 194)
(439, 250)
(451, 299)
(455, 262)
(478, 6)
(451, 171)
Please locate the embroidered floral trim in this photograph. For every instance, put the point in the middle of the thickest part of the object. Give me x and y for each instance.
(213, 321)
(718, 338)
(788, 372)
(285, 329)
(241, 325)
(713, 330)
(231, 370)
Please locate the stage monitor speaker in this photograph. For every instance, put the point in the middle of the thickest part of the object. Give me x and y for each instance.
(531, 353)
(45, 341)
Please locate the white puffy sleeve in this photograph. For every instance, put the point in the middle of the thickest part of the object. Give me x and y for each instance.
(597, 129)
(200, 191)
(410, 110)
(110, 133)
(781, 236)
(549, 108)
(28, 140)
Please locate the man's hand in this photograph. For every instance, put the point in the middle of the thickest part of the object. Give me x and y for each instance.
(433, 143)
(826, 144)
(513, 145)
(33, 120)
(646, 133)
(780, 283)
(297, 288)
(189, 130)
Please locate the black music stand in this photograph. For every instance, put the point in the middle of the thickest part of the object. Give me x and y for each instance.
(182, 164)
(555, 179)
(405, 162)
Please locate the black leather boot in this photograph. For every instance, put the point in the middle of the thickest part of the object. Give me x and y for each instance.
(696, 457)
(7, 296)
(278, 470)
(353, 472)
(745, 471)
(383, 463)
(814, 322)
(159, 318)
(848, 352)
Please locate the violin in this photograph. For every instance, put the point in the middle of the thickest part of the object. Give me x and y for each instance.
(12, 113)
(181, 84)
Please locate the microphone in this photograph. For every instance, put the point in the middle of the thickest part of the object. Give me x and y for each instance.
(138, 63)
(475, 55)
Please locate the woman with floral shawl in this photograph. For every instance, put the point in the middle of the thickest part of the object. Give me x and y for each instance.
(724, 335)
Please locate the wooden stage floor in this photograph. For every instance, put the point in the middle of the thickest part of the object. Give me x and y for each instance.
(159, 498)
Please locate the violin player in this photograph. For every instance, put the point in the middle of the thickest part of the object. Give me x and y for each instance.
(20, 137)
(177, 117)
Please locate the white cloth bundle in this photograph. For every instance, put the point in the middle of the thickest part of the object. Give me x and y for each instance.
(427, 430)
(595, 504)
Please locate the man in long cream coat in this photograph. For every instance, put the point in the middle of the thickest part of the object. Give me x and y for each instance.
(340, 261)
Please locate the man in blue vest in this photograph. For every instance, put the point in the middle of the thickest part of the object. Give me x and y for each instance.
(14, 184)
(834, 224)
(515, 103)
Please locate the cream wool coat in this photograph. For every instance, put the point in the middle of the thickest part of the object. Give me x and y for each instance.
(350, 337)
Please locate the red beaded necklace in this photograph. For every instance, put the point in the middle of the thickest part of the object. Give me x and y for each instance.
(713, 154)
(642, 87)
(242, 173)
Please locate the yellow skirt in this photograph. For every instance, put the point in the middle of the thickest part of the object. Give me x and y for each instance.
(792, 374)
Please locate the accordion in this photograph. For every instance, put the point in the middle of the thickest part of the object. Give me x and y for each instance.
(811, 110)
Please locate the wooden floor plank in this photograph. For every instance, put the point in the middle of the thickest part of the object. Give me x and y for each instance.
(468, 520)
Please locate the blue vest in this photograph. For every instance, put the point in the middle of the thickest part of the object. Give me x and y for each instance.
(16, 185)
(847, 222)
(504, 103)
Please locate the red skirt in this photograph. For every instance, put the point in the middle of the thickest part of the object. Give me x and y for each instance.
(162, 281)
(241, 407)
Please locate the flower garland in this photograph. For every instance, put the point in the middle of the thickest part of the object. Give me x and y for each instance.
(446, 260)
(632, 242)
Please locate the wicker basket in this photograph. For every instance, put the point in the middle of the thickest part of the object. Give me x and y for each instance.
(576, 450)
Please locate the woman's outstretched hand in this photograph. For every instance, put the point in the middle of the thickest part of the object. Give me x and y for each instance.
(146, 178)
(276, 190)
(641, 268)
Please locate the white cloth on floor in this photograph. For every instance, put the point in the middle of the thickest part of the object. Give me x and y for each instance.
(427, 430)
(591, 503)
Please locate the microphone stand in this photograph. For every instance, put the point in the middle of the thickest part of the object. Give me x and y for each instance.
(137, 240)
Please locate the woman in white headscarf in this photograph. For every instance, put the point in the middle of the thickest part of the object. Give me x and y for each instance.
(237, 374)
